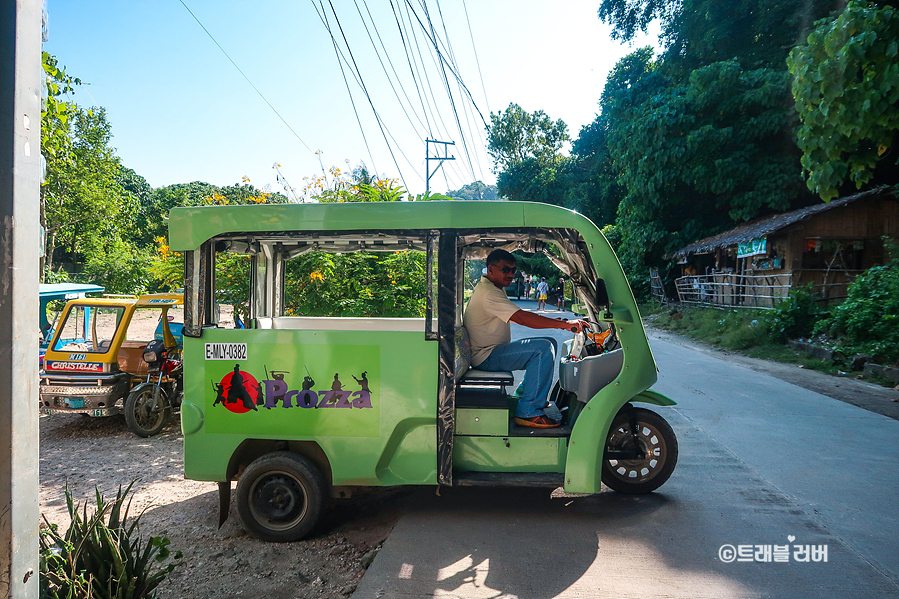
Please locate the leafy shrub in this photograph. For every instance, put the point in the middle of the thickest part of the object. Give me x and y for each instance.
(56, 276)
(795, 316)
(868, 320)
(102, 555)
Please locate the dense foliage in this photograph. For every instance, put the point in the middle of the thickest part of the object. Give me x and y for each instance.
(795, 317)
(868, 321)
(846, 86)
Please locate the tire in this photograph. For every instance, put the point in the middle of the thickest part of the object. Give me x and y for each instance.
(280, 497)
(142, 421)
(657, 443)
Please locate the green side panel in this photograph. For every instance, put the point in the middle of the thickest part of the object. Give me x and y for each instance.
(512, 454)
(369, 400)
(482, 422)
(402, 462)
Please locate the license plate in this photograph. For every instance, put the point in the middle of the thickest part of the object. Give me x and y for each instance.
(75, 402)
(226, 351)
(99, 412)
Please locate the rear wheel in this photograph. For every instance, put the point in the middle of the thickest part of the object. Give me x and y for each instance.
(280, 497)
(654, 451)
(145, 417)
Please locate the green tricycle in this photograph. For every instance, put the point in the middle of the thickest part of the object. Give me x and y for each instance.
(301, 409)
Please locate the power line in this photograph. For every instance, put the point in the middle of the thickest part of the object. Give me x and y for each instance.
(452, 55)
(245, 76)
(453, 71)
(477, 62)
(446, 85)
(390, 62)
(322, 17)
(409, 62)
(368, 97)
(425, 80)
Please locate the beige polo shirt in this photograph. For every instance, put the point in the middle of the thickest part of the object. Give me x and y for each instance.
(487, 319)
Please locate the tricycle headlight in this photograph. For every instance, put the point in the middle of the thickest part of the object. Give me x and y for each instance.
(150, 356)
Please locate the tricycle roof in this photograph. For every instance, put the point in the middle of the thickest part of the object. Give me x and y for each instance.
(52, 291)
(149, 299)
(189, 227)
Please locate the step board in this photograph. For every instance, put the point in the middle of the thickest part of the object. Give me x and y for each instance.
(508, 479)
(526, 431)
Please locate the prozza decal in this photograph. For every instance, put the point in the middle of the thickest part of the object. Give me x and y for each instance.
(241, 392)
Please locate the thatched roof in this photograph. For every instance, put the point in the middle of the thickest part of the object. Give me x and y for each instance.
(769, 224)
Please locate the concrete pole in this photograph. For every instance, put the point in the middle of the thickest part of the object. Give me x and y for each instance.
(20, 155)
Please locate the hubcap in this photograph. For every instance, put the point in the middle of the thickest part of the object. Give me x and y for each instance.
(650, 446)
(277, 501)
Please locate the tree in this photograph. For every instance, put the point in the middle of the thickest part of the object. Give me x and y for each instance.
(475, 191)
(696, 33)
(82, 197)
(846, 87)
(515, 136)
(695, 158)
(594, 190)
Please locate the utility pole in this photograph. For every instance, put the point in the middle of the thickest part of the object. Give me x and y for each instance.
(440, 159)
(20, 174)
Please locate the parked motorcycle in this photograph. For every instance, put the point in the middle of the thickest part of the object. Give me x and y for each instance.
(150, 403)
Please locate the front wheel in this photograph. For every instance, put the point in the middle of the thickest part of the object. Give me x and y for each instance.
(145, 417)
(280, 497)
(652, 452)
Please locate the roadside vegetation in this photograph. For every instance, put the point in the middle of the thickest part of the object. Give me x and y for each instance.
(865, 324)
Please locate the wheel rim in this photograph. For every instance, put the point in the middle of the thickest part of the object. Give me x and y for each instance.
(146, 418)
(651, 446)
(278, 501)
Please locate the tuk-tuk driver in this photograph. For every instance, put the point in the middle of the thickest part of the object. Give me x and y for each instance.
(487, 320)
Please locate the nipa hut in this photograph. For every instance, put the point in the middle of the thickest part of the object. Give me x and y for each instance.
(757, 263)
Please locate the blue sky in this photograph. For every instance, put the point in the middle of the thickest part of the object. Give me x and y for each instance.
(181, 112)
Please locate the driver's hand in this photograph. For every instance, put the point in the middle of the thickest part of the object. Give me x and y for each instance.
(576, 325)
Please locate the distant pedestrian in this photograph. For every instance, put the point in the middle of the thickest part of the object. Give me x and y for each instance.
(560, 294)
(542, 293)
(527, 286)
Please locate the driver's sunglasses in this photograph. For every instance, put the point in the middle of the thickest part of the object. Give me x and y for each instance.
(509, 269)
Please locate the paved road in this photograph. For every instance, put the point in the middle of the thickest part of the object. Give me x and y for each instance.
(761, 461)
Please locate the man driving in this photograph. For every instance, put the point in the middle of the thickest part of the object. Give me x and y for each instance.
(487, 320)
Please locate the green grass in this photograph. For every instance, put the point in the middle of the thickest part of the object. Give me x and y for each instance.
(745, 331)
(754, 333)
(730, 329)
(786, 354)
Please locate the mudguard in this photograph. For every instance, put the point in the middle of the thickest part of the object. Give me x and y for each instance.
(653, 397)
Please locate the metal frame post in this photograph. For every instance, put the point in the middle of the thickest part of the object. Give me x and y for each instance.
(20, 155)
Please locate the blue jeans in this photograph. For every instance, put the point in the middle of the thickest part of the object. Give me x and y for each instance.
(536, 358)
